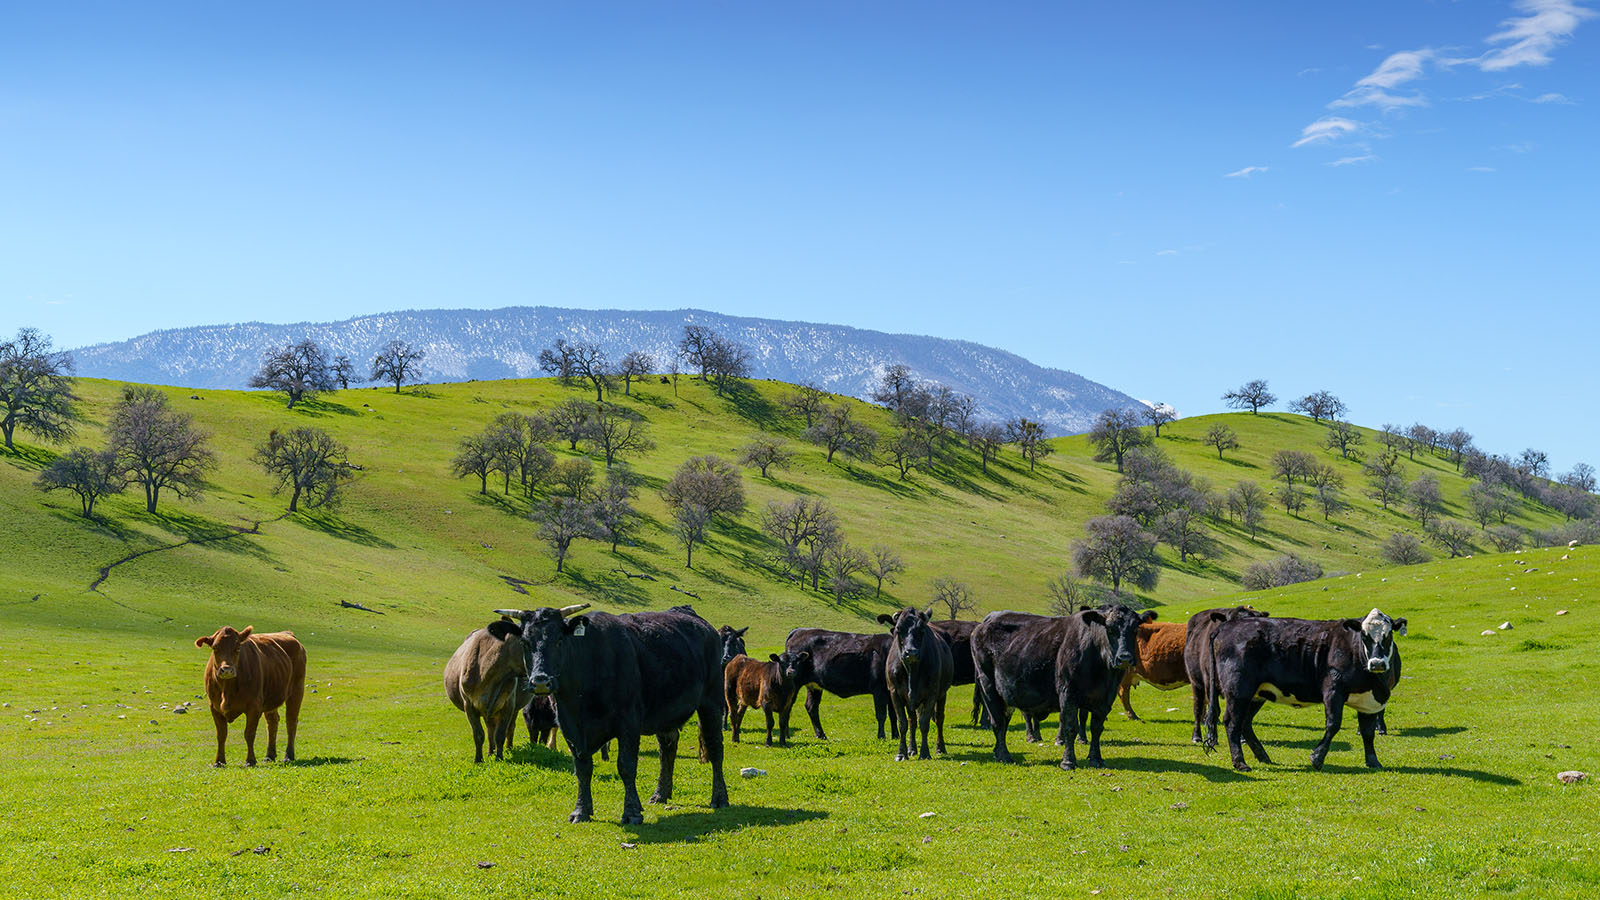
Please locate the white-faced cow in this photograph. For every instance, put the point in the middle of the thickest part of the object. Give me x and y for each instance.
(252, 675)
(486, 679)
(1197, 659)
(621, 677)
(844, 664)
(1067, 664)
(1338, 663)
(918, 673)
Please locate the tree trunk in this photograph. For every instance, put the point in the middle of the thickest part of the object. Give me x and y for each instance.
(483, 478)
(151, 494)
(294, 499)
(8, 426)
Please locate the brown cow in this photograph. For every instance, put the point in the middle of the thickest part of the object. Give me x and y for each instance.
(1160, 661)
(485, 678)
(254, 674)
(768, 686)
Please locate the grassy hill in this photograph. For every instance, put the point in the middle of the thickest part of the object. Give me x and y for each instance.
(386, 800)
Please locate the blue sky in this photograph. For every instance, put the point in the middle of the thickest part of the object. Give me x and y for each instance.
(1391, 200)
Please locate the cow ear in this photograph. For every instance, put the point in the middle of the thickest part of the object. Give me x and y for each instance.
(928, 613)
(805, 655)
(741, 631)
(203, 641)
(1352, 624)
(885, 619)
(1093, 615)
(1400, 626)
(1149, 616)
(575, 623)
(248, 630)
(504, 629)
(774, 657)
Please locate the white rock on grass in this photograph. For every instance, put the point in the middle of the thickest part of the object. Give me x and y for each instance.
(1488, 632)
(752, 772)
(1572, 777)
(1505, 626)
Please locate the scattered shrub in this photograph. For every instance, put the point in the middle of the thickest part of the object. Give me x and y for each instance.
(1284, 570)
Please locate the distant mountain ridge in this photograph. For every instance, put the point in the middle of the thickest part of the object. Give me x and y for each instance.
(464, 345)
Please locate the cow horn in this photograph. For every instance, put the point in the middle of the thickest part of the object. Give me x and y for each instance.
(574, 609)
(513, 613)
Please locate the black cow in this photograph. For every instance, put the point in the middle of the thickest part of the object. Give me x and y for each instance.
(620, 677)
(1302, 662)
(844, 664)
(958, 634)
(1197, 657)
(1040, 664)
(918, 673)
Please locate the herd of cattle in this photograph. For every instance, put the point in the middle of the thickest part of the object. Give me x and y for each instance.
(597, 677)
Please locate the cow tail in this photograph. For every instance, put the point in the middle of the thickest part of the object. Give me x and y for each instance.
(1210, 742)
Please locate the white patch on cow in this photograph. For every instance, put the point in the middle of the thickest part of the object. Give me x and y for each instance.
(1270, 691)
(1364, 703)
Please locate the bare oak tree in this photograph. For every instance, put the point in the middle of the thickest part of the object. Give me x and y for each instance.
(1252, 395)
(805, 402)
(617, 431)
(883, 566)
(1115, 432)
(1030, 439)
(35, 388)
(156, 447)
(307, 462)
(954, 596)
(91, 474)
(1117, 549)
(397, 363)
(1345, 438)
(634, 367)
(1221, 437)
(837, 430)
(1319, 405)
(709, 482)
(561, 521)
(766, 452)
(296, 370)
(1158, 415)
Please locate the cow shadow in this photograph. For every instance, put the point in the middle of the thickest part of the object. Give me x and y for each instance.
(1427, 731)
(676, 826)
(1473, 774)
(1220, 771)
(309, 761)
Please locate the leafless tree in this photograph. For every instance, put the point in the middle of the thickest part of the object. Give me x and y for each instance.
(296, 370)
(1345, 438)
(1328, 485)
(91, 474)
(897, 391)
(805, 402)
(1292, 464)
(1581, 478)
(719, 358)
(1458, 441)
(342, 370)
(571, 362)
(1489, 503)
(562, 520)
(307, 462)
(1030, 439)
(1247, 505)
(1184, 529)
(1281, 571)
(1252, 395)
(1158, 415)
(954, 596)
(476, 455)
(1221, 437)
(904, 451)
(156, 447)
(689, 523)
(1455, 538)
(766, 452)
(36, 388)
(1319, 405)
(1386, 480)
(573, 476)
(1534, 462)
(569, 420)
(1393, 437)
(1418, 436)
(1117, 549)
(1067, 595)
(635, 366)
(987, 438)
(1292, 498)
(1115, 432)
(1505, 538)
(1403, 549)
(1424, 498)
(884, 565)
(617, 431)
(804, 530)
(613, 512)
(397, 363)
(838, 430)
(843, 562)
(517, 444)
(709, 482)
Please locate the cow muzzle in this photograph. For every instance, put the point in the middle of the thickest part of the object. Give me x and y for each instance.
(1378, 666)
(1122, 661)
(541, 685)
(226, 673)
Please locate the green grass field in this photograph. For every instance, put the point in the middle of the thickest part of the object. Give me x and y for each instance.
(112, 794)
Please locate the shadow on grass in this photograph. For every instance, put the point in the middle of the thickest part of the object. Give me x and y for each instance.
(307, 761)
(542, 757)
(1428, 731)
(318, 407)
(872, 479)
(1219, 770)
(104, 524)
(31, 458)
(790, 486)
(330, 524)
(1473, 774)
(607, 587)
(748, 403)
(500, 501)
(672, 827)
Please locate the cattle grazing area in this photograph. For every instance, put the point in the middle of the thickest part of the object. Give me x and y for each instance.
(107, 749)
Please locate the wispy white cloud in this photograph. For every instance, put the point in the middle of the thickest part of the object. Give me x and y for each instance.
(1530, 38)
(1553, 97)
(1480, 168)
(1166, 253)
(1520, 147)
(1377, 89)
(1312, 70)
(1327, 128)
(1246, 172)
(1353, 160)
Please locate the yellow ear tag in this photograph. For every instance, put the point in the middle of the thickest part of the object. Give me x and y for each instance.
(578, 632)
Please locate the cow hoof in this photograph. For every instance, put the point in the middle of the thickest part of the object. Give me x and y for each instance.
(578, 816)
(218, 764)
(271, 758)
(719, 802)
(1004, 758)
(1241, 767)
(1316, 764)
(250, 763)
(1374, 764)
(1096, 764)
(633, 818)
(901, 757)
(1068, 766)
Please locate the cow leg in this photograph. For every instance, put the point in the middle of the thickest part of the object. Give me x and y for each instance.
(291, 716)
(814, 707)
(768, 711)
(711, 752)
(1383, 727)
(477, 734)
(1125, 690)
(252, 719)
(1030, 732)
(1069, 733)
(1097, 724)
(903, 723)
(1083, 725)
(938, 718)
(1333, 707)
(583, 768)
(628, 771)
(783, 722)
(977, 708)
(222, 738)
(735, 718)
(1368, 723)
(924, 712)
(1250, 732)
(668, 740)
(999, 716)
(272, 735)
(1235, 723)
(1198, 694)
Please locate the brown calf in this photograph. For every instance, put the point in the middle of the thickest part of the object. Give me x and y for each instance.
(1160, 661)
(254, 674)
(768, 686)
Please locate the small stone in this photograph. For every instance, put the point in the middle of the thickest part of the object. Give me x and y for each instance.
(1488, 633)
(1561, 612)
(1571, 777)
(1505, 626)
(1180, 805)
(927, 840)
(752, 772)
(179, 710)
(489, 865)
(927, 815)
(628, 846)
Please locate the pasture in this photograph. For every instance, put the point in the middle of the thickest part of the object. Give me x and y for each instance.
(110, 793)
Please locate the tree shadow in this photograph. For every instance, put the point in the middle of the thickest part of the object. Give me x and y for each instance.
(30, 458)
(101, 523)
(790, 486)
(328, 523)
(1239, 463)
(872, 479)
(540, 756)
(319, 407)
(672, 827)
(659, 402)
(501, 501)
(748, 403)
(607, 587)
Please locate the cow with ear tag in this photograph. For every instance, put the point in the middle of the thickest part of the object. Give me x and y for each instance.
(252, 675)
(622, 677)
(1338, 663)
(1097, 647)
(918, 672)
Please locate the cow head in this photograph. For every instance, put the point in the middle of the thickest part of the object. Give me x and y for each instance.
(1376, 633)
(225, 649)
(910, 632)
(548, 637)
(794, 668)
(732, 642)
(1121, 626)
